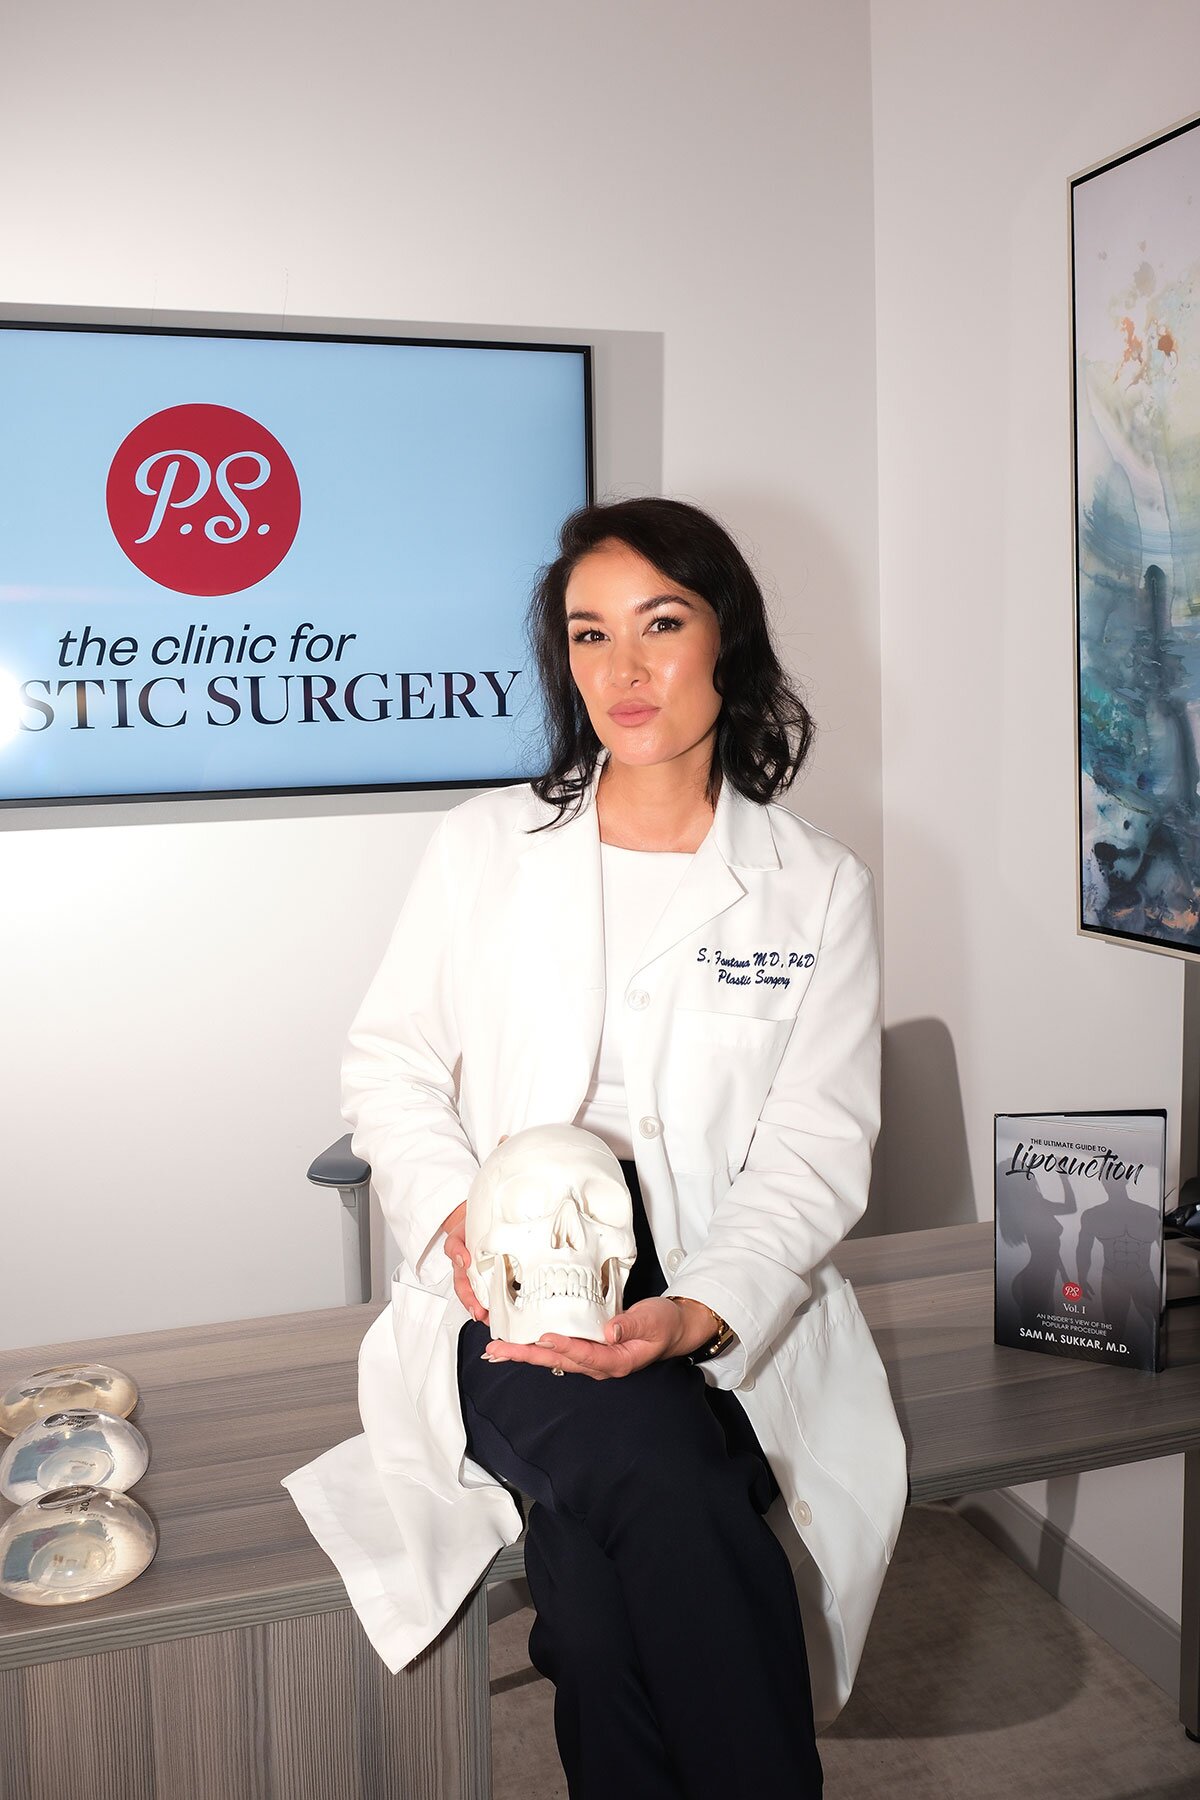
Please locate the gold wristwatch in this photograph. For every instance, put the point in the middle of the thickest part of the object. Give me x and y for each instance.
(723, 1335)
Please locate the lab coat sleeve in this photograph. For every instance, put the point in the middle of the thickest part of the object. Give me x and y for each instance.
(398, 1071)
(806, 1175)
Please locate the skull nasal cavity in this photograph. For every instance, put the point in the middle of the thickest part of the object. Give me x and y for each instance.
(568, 1227)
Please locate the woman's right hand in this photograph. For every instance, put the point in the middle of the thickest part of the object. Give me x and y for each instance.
(455, 1248)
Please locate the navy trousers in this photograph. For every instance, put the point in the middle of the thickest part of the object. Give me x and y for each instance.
(666, 1615)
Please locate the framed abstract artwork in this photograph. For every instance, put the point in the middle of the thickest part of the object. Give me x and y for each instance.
(1135, 301)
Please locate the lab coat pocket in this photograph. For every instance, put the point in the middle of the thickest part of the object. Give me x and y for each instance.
(838, 1390)
(417, 1315)
(715, 1075)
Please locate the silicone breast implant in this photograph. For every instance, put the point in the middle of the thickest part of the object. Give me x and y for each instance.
(73, 1449)
(75, 1385)
(74, 1544)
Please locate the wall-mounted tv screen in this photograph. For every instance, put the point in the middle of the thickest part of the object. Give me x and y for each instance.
(240, 562)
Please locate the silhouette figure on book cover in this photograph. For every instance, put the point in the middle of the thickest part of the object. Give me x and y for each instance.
(1079, 1241)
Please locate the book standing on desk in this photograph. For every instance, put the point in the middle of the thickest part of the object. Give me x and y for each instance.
(1079, 1235)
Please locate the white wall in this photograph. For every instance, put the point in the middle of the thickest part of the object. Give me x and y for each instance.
(981, 116)
(176, 982)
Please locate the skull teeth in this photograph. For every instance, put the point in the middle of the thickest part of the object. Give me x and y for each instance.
(552, 1283)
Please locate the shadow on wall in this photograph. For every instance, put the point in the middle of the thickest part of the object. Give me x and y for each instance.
(922, 1174)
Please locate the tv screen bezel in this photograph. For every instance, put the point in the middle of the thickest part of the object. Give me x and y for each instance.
(230, 326)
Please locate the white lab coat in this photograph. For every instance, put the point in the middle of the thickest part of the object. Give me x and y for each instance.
(752, 1074)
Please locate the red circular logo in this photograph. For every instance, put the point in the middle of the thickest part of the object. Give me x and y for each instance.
(1072, 1290)
(203, 499)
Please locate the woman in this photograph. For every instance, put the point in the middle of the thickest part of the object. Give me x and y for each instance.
(639, 942)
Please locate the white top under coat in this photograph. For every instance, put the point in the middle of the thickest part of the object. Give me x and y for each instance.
(637, 885)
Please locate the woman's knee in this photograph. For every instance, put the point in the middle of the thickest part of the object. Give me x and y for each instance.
(665, 1464)
(580, 1623)
(583, 1646)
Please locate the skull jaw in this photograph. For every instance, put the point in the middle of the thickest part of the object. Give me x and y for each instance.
(566, 1315)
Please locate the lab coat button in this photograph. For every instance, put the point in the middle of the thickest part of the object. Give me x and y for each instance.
(638, 998)
(803, 1513)
(649, 1127)
(674, 1258)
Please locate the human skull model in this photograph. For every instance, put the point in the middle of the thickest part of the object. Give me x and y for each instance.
(550, 1230)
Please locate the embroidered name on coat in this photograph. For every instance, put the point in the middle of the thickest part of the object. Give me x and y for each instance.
(756, 968)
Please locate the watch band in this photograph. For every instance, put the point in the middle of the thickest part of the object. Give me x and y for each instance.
(723, 1335)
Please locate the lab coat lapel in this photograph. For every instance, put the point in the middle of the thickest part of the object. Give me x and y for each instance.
(562, 926)
(740, 838)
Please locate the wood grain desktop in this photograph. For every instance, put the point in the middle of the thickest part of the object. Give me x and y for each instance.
(235, 1667)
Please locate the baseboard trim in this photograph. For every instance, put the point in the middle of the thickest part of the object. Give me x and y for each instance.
(1135, 1628)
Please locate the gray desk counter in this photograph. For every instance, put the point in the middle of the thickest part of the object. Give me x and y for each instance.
(235, 1665)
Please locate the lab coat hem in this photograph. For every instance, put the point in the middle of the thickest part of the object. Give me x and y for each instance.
(365, 1590)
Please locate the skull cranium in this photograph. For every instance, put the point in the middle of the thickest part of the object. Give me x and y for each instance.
(550, 1230)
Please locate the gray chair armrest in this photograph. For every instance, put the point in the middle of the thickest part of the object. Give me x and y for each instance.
(338, 1167)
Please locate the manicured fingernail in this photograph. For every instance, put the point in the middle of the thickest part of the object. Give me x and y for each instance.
(616, 1334)
(460, 1259)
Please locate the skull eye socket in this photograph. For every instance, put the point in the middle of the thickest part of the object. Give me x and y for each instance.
(607, 1202)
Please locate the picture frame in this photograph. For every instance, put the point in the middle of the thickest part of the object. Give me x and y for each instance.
(1135, 407)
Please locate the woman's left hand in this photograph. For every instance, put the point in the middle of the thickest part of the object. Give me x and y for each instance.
(651, 1329)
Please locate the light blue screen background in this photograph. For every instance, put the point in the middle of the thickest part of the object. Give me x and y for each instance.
(433, 481)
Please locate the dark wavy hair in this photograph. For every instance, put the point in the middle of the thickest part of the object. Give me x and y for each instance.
(764, 730)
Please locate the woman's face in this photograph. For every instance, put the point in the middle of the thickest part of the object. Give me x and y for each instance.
(642, 652)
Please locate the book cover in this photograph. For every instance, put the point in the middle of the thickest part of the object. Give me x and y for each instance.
(1079, 1235)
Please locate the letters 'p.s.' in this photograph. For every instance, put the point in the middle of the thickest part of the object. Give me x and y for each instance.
(550, 1229)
